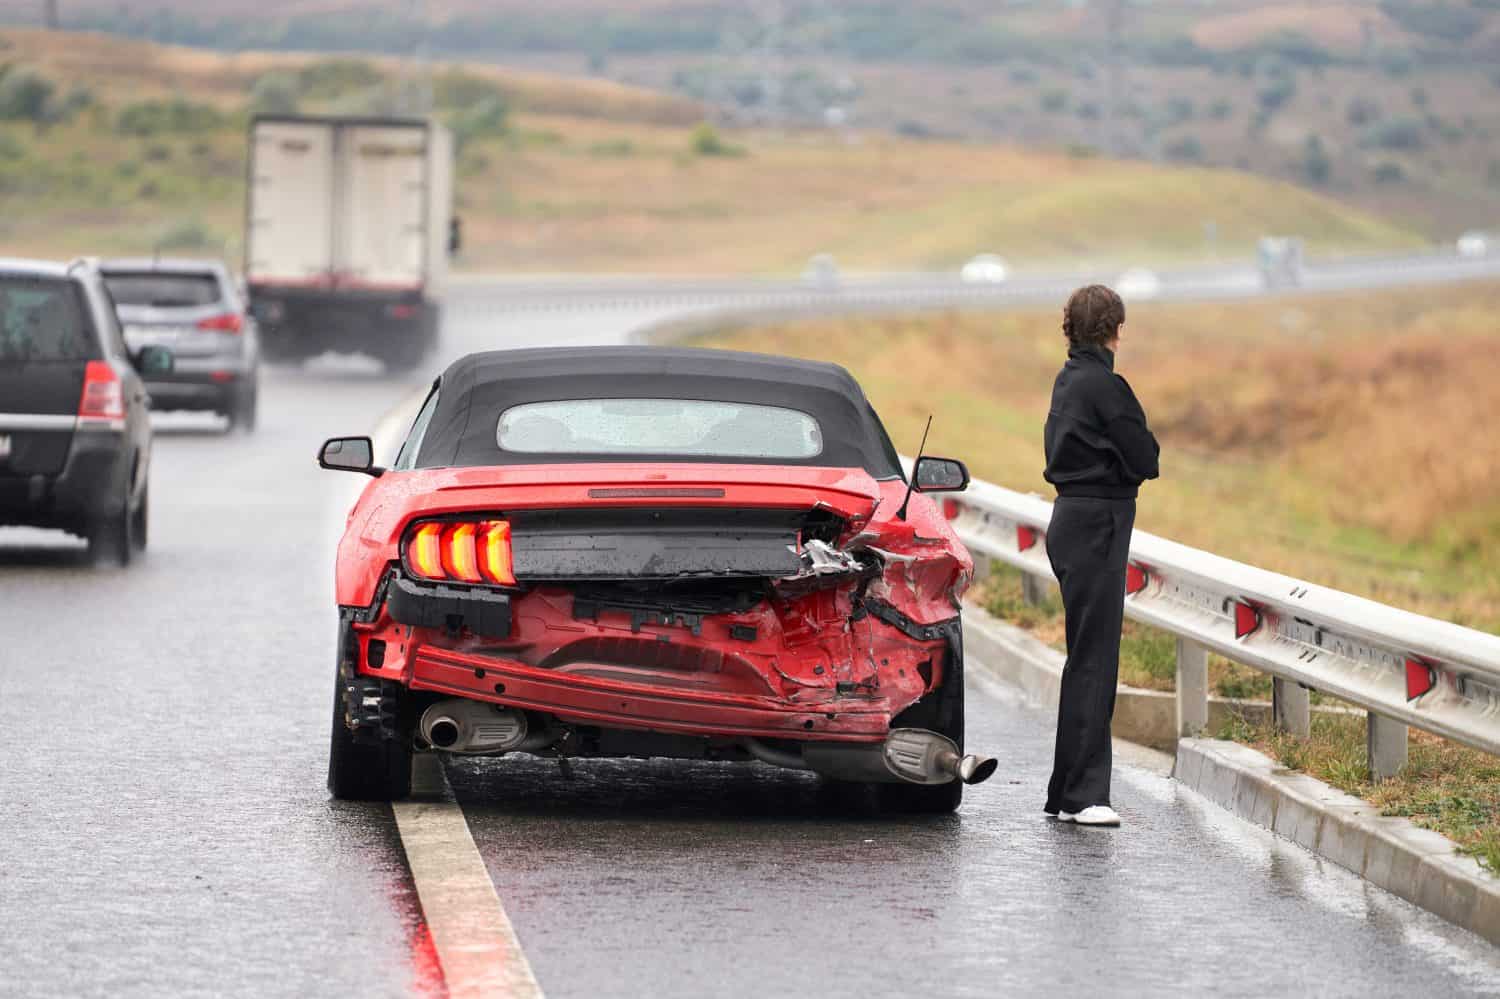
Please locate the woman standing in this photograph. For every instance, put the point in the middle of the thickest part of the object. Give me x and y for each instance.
(1099, 451)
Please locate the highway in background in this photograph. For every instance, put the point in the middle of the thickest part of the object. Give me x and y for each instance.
(166, 829)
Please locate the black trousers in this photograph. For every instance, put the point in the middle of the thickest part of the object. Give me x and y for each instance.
(1088, 543)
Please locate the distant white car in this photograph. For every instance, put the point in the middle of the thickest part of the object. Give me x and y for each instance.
(822, 271)
(1138, 283)
(984, 269)
(1473, 244)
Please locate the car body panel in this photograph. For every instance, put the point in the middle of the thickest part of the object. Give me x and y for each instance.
(212, 365)
(61, 471)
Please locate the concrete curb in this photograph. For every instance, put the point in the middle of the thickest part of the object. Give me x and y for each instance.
(1417, 864)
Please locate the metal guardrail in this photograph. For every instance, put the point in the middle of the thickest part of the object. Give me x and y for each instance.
(1403, 668)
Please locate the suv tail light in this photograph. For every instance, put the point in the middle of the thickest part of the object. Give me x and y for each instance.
(103, 397)
(469, 551)
(228, 322)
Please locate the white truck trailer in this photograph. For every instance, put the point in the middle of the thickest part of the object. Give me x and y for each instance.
(348, 229)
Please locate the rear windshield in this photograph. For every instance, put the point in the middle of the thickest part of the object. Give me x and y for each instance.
(686, 427)
(163, 291)
(42, 319)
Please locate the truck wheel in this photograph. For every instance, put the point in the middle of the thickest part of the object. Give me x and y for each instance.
(941, 712)
(111, 537)
(367, 766)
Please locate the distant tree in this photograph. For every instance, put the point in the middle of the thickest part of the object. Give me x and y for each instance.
(1053, 101)
(274, 93)
(1395, 133)
(1419, 97)
(1220, 109)
(1187, 148)
(1493, 175)
(25, 95)
(1361, 111)
(1395, 62)
(706, 141)
(1316, 166)
(1387, 172)
(486, 118)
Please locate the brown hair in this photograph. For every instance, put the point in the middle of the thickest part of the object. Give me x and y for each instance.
(1092, 316)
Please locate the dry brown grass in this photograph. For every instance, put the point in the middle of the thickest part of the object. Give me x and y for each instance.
(119, 70)
(1343, 439)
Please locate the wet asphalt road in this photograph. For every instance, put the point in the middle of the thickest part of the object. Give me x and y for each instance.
(164, 828)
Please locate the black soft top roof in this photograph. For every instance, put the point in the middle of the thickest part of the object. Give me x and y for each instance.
(476, 389)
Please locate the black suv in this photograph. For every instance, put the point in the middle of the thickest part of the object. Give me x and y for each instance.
(75, 432)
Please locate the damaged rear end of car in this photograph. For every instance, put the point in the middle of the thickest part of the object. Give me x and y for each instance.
(793, 614)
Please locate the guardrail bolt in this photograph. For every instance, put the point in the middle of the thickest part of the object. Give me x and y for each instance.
(1291, 707)
(1386, 742)
(1192, 688)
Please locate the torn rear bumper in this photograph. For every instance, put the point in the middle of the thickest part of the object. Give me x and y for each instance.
(620, 703)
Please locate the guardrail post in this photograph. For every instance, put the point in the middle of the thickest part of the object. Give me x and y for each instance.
(1386, 742)
(982, 566)
(1033, 589)
(1192, 688)
(1291, 707)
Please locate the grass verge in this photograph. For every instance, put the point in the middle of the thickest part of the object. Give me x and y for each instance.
(1444, 787)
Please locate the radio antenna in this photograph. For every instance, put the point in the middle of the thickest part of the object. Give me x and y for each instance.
(912, 482)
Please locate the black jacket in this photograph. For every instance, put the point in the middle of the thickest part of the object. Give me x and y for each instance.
(1097, 440)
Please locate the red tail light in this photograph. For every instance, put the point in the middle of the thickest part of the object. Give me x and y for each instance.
(102, 398)
(471, 551)
(229, 322)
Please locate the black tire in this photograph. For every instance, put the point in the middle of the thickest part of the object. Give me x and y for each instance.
(943, 712)
(112, 537)
(243, 410)
(140, 521)
(364, 767)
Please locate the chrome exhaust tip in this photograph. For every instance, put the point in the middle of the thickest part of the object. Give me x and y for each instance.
(923, 757)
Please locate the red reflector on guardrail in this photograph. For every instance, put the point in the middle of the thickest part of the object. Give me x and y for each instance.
(951, 509)
(1246, 619)
(1136, 578)
(1025, 538)
(1420, 678)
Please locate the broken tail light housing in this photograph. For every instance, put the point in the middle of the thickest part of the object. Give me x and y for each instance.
(103, 397)
(464, 551)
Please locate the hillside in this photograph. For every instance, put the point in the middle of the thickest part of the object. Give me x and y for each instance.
(137, 146)
(1392, 104)
(1308, 426)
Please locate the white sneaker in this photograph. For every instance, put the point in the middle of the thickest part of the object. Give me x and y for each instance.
(1094, 815)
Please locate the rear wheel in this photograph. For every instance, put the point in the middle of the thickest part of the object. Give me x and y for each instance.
(112, 536)
(139, 521)
(243, 409)
(371, 762)
(942, 712)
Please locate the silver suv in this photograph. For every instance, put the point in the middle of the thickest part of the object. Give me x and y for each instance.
(192, 308)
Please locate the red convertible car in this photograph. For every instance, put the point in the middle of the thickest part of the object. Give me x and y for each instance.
(652, 552)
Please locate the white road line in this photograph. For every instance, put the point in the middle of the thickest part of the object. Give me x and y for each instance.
(475, 943)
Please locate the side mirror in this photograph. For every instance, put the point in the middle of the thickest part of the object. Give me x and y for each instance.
(940, 475)
(350, 454)
(154, 360)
